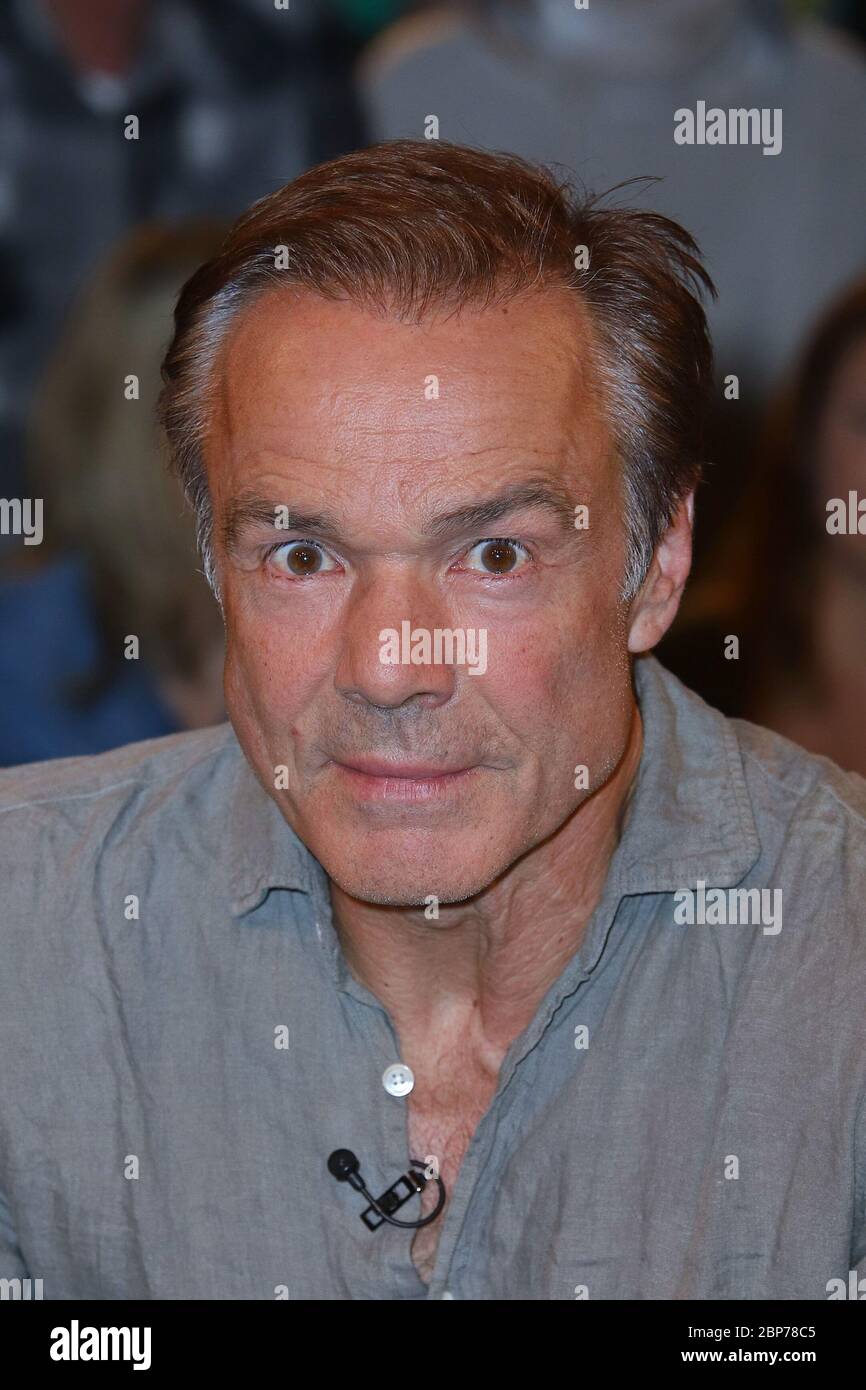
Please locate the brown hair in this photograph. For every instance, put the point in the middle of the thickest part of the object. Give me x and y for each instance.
(408, 226)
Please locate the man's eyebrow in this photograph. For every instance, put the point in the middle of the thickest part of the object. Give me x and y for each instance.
(244, 512)
(477, 515)
(247, 511)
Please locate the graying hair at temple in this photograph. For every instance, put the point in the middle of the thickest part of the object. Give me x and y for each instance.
(408, 227)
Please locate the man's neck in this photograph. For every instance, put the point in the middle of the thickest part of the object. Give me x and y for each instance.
(481, 970)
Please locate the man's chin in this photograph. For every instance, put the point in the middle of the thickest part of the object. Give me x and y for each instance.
(402, 881)
(385, 893)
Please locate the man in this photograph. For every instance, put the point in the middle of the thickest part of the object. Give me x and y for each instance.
(470, 886)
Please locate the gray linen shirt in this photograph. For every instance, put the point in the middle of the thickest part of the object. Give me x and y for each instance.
(683, 1118)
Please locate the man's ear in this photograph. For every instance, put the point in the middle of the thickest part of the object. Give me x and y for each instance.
(655, 605)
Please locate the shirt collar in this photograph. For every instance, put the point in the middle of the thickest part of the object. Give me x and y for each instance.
(264, 851)
(689, 815)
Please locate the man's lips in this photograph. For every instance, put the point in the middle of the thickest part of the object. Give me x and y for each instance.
(375, 779)
(415, 772)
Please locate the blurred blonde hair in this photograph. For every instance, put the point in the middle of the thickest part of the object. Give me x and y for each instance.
(98, 459)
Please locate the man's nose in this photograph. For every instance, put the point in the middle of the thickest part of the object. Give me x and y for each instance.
(375, 664)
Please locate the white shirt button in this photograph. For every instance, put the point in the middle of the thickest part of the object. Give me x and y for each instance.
(398, 1079)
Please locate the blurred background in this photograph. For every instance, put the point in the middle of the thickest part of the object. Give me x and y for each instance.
(232, 99)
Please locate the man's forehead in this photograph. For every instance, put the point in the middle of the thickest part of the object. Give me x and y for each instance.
(333, 383)
(543, 339)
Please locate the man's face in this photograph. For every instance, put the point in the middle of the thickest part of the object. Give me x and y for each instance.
(385, 436)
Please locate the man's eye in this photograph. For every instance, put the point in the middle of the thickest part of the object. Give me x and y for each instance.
(300, 558)
(497, 556)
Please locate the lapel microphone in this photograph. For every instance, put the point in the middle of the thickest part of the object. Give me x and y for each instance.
(344, 1166)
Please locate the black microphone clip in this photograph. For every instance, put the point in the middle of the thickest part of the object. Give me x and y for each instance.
(344, 1166)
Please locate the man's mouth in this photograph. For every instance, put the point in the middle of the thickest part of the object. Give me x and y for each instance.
(378, 779)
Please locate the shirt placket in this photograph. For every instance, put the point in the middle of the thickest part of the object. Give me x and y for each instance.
(478, 1156)
(381, 1169)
